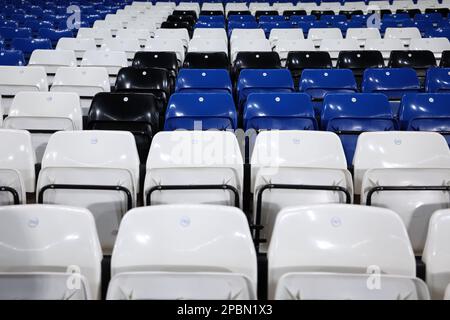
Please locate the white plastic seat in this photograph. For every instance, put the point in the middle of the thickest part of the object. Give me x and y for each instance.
(385, 46)
(51, 60)
(43, 113)
(436, 255)
(336, 251)
(142, 35)
(167, 45)
(334, 46)
(334, 6)
(189, 6)
(15, 79)
(354, 6)
(318, 34)
(49, 253)
(283, 47)
(97, 170)
(17, 166)
(208, 45)
(79, 46)
(307, 6)
(288, 157)
(173, 161)
(180, 34)
(212, 6)
(249, 45)
(113, 61)
(188, 252)
(362, 34)
(435, 45)
(247, 34)
(129, 46)
(210, 33)
(403, 34)
(86, 82)
(402, 161)
(113, 26)
(259, 6)
(238, 6)
(113, 18)
(99, 35)
(284, 34)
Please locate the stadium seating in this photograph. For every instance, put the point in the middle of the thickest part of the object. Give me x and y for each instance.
(419, 60)
(208, 81)
(163, 60)
(210, 60)
(255, 60)
(51, 60)
(437, 80)
(12, 58)
(358, 61)
(77, 45)
(112, 61)
(297, 61)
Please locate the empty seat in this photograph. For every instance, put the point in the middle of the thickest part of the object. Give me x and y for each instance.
(385, 46)
(163, 60)
(214, 178)
(97, 170)
(14, 79)
(445, 59)
(208, 45)
(358, 61)
(200, 111)
(438, 80)
(283, 47)
(332, 251)
(435, 255)
(112, 61)
(54, 35)
(86, 82)
(262, 80)
(419, 60)
(255, 60)
(167, 45)
(51, 60)
(348, 115)
(334, 46)
(249, 45)
(435, 45)
(403, 34)
(80, 46)
(247, 34)
(129, 46)
(362, 34)
(99, 35)
(17, 167)
(210, 60)
(318, 34)
(180, 34)
(134, 112)
(285, 34)
(297, 61)
(42, 114)
(27, 46)
(286, 111)
(189, 250)
(11, 58)
(210, 33)
(408, 172)
(208, 81)
(50, 253)
(393, 82)
(142, 35)
(291, 167)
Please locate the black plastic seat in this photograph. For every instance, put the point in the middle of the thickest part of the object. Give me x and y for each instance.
(260, 13)
(255, 60)
(188, 19)
(288, 13)
(319, 13)
(146, 80)
(133, 112)
(419, 60)
(297, 61)
(350, 13)
(239, 13)
(206, 60)
(358, 61)
(185, 13)
(445, 59)
(443, 11)
(178, 25)
(163, 60)
(382, 12)
(410, 12)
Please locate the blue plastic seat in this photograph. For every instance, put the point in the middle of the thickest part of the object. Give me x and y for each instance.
(306, 25)
(405, 23)
(328, 18)
(200, 111)
(268, 26)
(218, 18)
(36, 25)
(241, 25)
(9, 24)
(426, 112)
(203, 24)
(54, 35)
(201, 80)
(317, 83)
(279, 111)
(437, 80)
(348, 115)
(393, 82)
(306, 18)
(434, 17)
(12, 58)
(396, 16)
(8, 34)
(241, 18)
(271, 18)
(262, 80)
(438, 33)
(27, 46)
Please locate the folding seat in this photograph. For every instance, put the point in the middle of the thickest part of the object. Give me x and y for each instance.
(247, 34)
(220, 258)
(11, 58)
(350, 13)
(208, 179)
(443, 11)
(14, 79)
(407, 172)
(86, 82)
(134, 112)
(348, 115)
(187, 10)
(255, 60)
(297, 61)
(284, 46)
(334, 46)
(54, 35)
(97, 170)
(393, 82)
(240, 15)
(435, 255)
(210, 33)
(334, 18)
(99, 35)
(210, 60)
(318, 34)
(262, 80)
(208, 45)
(362, 34)
(17, 167)
(320, 13)
(79, 46)
(419, 60)
(113, 26)
(297, 168)
(270, 18)
(58, 245)
(10, 33)
(249, 45)
(437, 80)
(212, 6)
(207, 81)
(142, 35)
(331, 251)
(403, 34)
(295, 19)
(436, 45)
(129, 46)
(283, 111)
(284, 34)
(112, 61)
(385, 46)
(318, 83)
(180, 34)
(51, 60)
(27, 46)
(8, 24)
(240, 6)
(254, 6)
(163, 60)
(358, 61)
(167, 45)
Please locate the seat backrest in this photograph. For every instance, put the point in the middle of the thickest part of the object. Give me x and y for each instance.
(210, 60)
(334, 46)
(51, 60)
(393, 82)
(208, 45)
(249, 45)
(362, 34)
(419, 59)
(242, 33)
(317, 83)
(318, 34)
(403, 34)
(77, 45)
(167, 45)
(197, 80)
(58, 239)
(135, 33)
(299, 60)
(340, 239)
(283, 47)
(180, 34)
(12, 58)
(164, 60)
(255, 60)
(128, 45)
(94, 33)
(385, 46)
(360, 60)
(210, 33)
(113, 61)
(85, 81)
(277, 34)
(445, 59)
(436, 45)
(437, 80)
